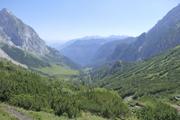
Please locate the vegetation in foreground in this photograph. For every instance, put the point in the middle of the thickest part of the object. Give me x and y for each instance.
(26, 89)
(41, 115)
(4, 115)
(49, 116)
(156, 110)
(23, 88)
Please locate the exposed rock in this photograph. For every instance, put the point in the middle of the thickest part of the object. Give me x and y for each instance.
(21, 34)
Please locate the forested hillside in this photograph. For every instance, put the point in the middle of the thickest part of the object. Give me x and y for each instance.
(156, 76)
(26, 89)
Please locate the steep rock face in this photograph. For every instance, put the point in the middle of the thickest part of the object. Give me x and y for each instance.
(21, 34)
(163, 36)
(22, 44)
(4, 38)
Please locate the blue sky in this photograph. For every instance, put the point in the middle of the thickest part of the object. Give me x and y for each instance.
(58, 20)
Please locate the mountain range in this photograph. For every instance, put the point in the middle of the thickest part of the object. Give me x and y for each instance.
(149, 66)
(163, 36)
(84, 50)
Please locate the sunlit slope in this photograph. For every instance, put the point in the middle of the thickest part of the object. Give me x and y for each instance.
(159, 75)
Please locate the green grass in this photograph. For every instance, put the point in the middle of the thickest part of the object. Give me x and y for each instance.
(56, 70)
(50, 116)
(59, 72)
(44, 115)
(4, 115)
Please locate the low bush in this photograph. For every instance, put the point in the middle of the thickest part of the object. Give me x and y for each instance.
(28, 102)
(156, 110)
(103, 102)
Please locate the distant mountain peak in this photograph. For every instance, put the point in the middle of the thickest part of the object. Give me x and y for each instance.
(21, 34)
(163, 36)
(6, 11)
(21, 43)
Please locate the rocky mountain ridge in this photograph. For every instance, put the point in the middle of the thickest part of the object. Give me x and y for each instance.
(22, 44)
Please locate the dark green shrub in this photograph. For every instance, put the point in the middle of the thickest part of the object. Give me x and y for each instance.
(67, 105)
(28, 102)
(159, 111)
(103, 102)
(25, 101)
(23, 88)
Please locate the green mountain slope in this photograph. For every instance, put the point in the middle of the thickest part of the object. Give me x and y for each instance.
(23, 57)
(157, 76)
(24, 88)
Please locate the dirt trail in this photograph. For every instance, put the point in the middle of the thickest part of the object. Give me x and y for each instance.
(128, 98)
(177, 107)
(20, 116)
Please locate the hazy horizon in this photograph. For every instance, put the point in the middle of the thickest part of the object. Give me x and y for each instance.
(64, 20)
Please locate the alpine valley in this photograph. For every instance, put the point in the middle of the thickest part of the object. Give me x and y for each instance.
(90, 78)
